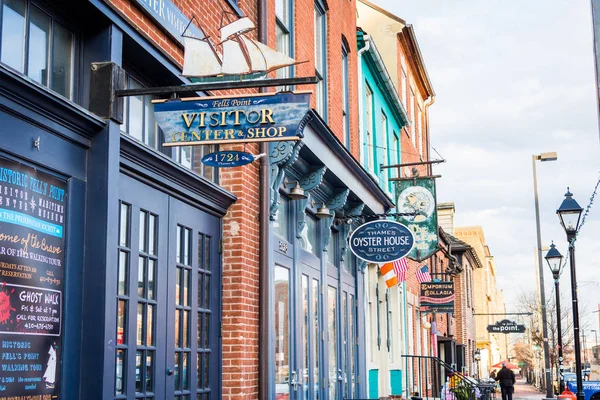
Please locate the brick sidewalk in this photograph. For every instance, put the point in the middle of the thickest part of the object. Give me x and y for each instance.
(524, 390)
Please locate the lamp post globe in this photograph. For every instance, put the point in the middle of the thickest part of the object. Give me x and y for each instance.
(569, 214)
(554, 260)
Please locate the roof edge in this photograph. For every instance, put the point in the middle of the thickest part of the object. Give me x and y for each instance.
(419, 61)
(384, 12)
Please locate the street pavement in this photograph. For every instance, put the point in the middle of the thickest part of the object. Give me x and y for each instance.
(524, 390)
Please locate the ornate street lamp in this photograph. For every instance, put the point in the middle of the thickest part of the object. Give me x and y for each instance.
(554, 260)
(569, 214)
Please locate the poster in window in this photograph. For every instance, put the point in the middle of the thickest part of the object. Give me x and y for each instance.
(32, 247)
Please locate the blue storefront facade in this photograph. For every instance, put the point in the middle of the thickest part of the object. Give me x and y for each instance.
(318, 284)
(140, 266)
(139, 272)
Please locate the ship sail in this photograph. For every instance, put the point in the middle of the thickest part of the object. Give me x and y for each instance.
(257, 58)
(234, 61)
(274, 59)
(199, 58)
(237, 27)
(240, 54)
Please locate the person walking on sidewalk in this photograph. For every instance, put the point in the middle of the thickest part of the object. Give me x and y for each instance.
(507, 382)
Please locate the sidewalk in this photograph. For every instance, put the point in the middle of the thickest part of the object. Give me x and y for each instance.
(523, 390)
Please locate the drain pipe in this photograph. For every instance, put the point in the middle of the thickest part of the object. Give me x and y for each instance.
(264, 237)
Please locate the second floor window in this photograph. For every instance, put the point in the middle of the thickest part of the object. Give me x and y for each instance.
(419, 127)
(321, 60)
(283, 26)
(35, 44)
(345, 97)
(413, 106)
(384, 140)
(369, 145)
(138, 122)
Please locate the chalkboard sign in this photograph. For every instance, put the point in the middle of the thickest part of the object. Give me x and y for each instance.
(32, 246)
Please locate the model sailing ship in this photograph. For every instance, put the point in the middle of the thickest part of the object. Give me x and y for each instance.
(241, 57)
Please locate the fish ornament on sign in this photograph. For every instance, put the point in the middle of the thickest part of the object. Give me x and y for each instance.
(234, 56)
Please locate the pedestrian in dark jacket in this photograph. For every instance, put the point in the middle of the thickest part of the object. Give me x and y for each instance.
(507, 382)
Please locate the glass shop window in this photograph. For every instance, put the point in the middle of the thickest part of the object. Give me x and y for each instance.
(332, 247)
(281, 222)
(35, 44)
(138, 122)
(308, 236)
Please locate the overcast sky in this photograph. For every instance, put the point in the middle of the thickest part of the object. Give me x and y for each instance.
(514, 78)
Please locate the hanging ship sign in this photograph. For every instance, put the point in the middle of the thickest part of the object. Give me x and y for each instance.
(241, 57)
(232, 119)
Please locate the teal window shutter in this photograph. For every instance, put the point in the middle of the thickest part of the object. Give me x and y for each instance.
(374, 383)
(396, 381)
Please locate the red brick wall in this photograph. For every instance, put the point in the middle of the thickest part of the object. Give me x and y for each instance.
(464, 312)
(241, 225)
(341, 21)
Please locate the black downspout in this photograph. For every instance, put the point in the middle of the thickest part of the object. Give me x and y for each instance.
(264, 237)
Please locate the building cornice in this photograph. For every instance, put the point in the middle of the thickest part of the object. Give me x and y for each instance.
(409, 40)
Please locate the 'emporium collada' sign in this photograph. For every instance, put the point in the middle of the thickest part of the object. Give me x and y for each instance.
(218, 120)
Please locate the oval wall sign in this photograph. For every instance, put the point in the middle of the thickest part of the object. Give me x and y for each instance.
(381, 241)
(227, 159)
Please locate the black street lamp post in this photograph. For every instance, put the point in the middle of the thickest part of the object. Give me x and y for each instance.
(569, 214)
(554, 260)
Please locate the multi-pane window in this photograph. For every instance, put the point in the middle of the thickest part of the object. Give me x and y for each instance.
(143, 294)
(147, 259)
(345, 96)
(419, 126)
(283, 27)
(467, 286)
(308, 236)
(321, 59)
(280, 223)
(183, 308)
(123, 297)
(138, 116)
(369, 148)
(204, 317)
(373, 298)
(138, 122)
(404, 80)
(395, 151)
(413, 117)
(35, 44)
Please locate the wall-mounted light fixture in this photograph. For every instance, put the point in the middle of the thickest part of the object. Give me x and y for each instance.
(322, 211)
(296, 193)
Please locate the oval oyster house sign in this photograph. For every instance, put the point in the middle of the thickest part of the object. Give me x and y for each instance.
(381, 241)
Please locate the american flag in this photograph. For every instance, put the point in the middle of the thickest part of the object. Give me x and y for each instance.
(423, 274)
(400, 268)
